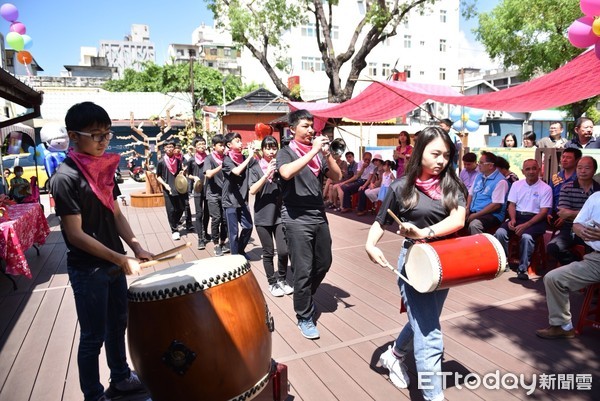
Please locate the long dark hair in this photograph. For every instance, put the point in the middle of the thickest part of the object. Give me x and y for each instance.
(450, 184)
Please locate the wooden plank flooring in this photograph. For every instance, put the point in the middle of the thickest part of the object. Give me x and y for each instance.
(488, 326)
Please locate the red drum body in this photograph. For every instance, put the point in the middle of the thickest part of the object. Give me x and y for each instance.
(456, 261)
(201, 331)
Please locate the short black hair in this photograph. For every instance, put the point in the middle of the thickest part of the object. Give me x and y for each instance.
(469, 157)
(501, 162)
(218, 139)
(231, 136)
(349, 153)
(576, 152)
(85, 114)
(198, 139)
(168, 142)
(295, 116)
(269, 141)
(490, 157)
(446, 121)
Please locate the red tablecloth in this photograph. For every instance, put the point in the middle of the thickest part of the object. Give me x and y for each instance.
(27, 226)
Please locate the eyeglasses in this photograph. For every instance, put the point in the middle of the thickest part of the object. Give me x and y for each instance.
(480, 162)
(97, 137)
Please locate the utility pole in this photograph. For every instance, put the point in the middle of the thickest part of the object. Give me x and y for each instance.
(193, 93)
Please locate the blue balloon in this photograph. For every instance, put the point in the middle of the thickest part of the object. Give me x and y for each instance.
(27, 41)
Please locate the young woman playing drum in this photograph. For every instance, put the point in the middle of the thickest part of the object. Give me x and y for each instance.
(267, 217)
(430, 201)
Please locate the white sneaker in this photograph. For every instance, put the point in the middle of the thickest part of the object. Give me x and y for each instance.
(176, 236)
(398, 372)
(276, 291)
(287, 289)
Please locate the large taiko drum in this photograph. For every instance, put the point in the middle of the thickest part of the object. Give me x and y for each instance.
(456, 261)
(200, 331)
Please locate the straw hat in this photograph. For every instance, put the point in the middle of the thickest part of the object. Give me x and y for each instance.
(181, 184)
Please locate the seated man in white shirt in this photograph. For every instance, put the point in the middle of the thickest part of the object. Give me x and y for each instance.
(574, 276)
(529, 201)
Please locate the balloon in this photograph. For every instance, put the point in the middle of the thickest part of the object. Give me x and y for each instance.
(24, 57)
(590, 7)
(28, 42)
(466, 118)
(9, 12)
(580, 33)
(261, 130)
(596, 27)
(15, 40)
(18, 27)
(55, 137)
(39, 153)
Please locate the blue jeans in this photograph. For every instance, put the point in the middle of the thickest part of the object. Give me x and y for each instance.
(423, 333)
(233, 216)
(527, 241)
(101, 303)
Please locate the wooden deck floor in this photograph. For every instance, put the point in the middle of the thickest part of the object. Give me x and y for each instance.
(488, 327)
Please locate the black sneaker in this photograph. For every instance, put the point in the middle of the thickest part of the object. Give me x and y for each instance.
(207, 238)
(225, 248)
(201, 245)
(218, 250)
(522, 276)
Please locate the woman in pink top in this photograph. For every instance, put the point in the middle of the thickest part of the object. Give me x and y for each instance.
(402, 153)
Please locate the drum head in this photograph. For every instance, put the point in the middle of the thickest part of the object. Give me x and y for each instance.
(423, 268)
(189, 277)
(181, 184)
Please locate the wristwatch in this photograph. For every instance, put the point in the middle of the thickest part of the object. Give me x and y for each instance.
(430, 233)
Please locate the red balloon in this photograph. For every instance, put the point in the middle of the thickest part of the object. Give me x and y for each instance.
(261, 130)
(24, 57)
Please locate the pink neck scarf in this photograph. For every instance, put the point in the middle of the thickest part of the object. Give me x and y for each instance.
(99, 173)
(264, 165)
(218, 157)
(301, 149)
(236, 156)
(171, 163)
(199, 157)
(430, 187)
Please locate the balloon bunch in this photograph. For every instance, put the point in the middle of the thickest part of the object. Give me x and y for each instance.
(585, 32)
(17, 38)
(465, 118)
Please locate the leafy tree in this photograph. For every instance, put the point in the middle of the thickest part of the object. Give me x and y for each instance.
(532, 36)
(259, 25)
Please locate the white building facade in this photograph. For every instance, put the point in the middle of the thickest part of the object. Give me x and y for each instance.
(131, 52)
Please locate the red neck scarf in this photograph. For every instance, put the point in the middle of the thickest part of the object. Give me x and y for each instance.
(171, 163)
(199, 157)
(264, 165)
(430, 187)
(218, 157)
(300, 149)
(99, 171)
(236, 156)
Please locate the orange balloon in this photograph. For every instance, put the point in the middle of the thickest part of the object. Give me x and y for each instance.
(24, 57)
(261, 130)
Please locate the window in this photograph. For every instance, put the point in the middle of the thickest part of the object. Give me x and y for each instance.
(407, 70)
(312, 64)
(405, 23)
(443, 15)
(308, 30)
(180, 52)
(373, 69)
(422, 73)
(442, 74)
(422, 43)
(227, 52)
(213, 52)
(407, 41)
(443, 45)
(335, 32)
(386, 71)
(192, 53)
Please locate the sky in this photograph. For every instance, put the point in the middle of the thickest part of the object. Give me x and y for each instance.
(59, 28)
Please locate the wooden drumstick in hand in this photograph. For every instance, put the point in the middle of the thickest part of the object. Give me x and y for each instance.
(153, 262)
(172, 250)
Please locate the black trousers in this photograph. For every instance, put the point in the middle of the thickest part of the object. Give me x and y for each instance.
(218, 226)
(199, 202)
(310, 252)
(266, 235)
(175, 206)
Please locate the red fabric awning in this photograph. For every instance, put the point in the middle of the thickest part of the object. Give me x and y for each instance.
(577, 80)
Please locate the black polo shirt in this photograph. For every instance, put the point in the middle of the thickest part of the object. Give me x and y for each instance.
(235, 187)
(163, 172)
(74, 196)
(267, 203)
(214, 185)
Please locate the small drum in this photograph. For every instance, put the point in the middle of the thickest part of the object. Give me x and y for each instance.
(201, 331)
(456, 261)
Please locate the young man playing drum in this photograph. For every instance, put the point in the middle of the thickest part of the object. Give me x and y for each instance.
(167, 170)
(302, 166)
(92, 224)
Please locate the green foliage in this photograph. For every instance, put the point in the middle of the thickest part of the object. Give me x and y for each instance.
(593, 114)
(208, 82)
(531, 36)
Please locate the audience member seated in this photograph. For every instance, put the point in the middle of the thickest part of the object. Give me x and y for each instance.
(529, 139)
(329, 183)
(19, 186)
(509, 141)
(486, 203)
(584, 135)
(572, 198)
(372, 183)
(574, 276)
(529, 201)
(386, 176)
(351, 186)
(568, 163)
(554, 139)
(469, 172)
(336, 193)
(504, 166)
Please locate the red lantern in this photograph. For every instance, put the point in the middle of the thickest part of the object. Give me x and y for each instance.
(261, 130)
(24, 57)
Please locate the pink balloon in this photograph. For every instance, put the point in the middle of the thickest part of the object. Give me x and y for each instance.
(18, 27)
(9, 12)
(580, 33)
(590, 7)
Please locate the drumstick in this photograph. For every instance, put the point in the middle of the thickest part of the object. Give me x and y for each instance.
(392, 268)
(153, 262)
(389, 211)
(172, 250)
